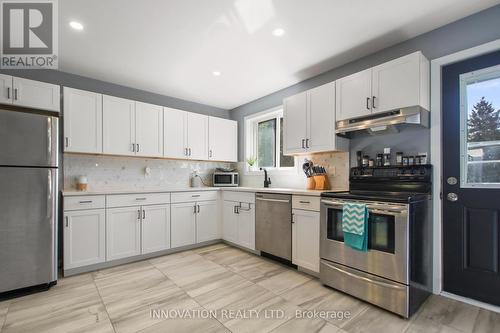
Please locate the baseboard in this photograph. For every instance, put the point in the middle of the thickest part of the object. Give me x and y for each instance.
(471, 301)
(118, 262)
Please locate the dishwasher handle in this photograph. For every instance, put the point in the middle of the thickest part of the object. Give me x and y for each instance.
(272, 200)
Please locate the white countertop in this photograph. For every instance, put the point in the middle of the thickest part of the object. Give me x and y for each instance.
(72, 192)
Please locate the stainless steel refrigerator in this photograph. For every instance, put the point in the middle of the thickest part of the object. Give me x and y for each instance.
(28, 199)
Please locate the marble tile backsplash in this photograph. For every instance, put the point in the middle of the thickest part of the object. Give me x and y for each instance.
(335, 163)
(114, 172)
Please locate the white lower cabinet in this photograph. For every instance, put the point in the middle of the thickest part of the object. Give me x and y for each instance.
(123, 232)
(239, 223)
(229, 221)
(84, 238)
(305, 239)
(155, 228)
(183, 224)
(207, 221)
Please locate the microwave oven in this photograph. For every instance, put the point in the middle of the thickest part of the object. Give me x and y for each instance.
(225, 179)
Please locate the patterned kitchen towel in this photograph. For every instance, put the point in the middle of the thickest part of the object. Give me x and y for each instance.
(355, 226)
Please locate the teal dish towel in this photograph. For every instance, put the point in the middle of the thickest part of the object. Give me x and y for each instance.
(355, 226)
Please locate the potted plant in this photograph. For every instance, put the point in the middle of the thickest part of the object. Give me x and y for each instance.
(251, 163)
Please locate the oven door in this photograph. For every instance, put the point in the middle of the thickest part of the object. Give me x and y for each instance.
(387, 254)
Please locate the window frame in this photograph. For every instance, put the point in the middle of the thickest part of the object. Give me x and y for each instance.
(251, 144)
(465, 79)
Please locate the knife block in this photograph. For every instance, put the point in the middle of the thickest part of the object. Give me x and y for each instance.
(321, 182)
(310, 183)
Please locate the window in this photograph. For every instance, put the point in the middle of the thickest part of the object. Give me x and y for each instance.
(480, 128)
(264, 140)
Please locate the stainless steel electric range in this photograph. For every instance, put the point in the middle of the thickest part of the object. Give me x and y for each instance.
(396, 272)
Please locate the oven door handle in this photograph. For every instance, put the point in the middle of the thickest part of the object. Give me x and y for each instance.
(384, 209)
(380, 283)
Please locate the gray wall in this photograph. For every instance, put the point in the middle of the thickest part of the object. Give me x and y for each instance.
(85, 83)
(470, 31)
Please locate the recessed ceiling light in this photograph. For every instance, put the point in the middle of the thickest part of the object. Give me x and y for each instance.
(278, 32)
(76, 25)
(216, 73)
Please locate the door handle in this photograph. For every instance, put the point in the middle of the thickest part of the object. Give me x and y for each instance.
(67, 221)
(15, 94)
(368, 103)
(189, 151)
(8, 92)
(194, 207)
(373, 102)
(303, 143)
(137, 147)
(273, 200)
(210, 153)
(139, 214)
(198, 209)
(452, 197)
(133, 147)
(307, 143)
(85, 202)
(66, 140)
(185, 152)
(143, 214)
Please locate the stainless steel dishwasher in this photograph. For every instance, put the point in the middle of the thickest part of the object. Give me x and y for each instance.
(273, 224)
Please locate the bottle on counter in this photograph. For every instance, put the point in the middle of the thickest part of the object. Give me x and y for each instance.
(366, 160)
(399, 158)
(387, 156)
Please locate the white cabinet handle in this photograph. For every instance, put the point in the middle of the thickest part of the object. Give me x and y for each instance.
(368, 103)
(15, 94)
(137, 147)
(67, 221)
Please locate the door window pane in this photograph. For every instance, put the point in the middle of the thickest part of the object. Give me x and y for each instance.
(481, 135)
(285, 161)
(266, 143)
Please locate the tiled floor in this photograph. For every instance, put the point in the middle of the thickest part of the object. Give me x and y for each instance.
(219, 278)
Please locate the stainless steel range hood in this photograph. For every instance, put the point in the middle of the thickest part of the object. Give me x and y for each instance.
(384, 121)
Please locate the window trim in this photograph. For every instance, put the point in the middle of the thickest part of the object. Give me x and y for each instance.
(465, 79)
(251, 122)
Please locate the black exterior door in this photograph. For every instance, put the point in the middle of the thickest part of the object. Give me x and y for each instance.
(471, 178)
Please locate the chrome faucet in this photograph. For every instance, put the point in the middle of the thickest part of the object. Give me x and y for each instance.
(267, 180)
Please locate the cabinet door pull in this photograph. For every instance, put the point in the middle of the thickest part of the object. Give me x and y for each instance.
(15, 94)
(133, 147)
(140, 199)
(139, 214)
(66, 142)
(143, 214)
(307, 143)
(198, 209)
(368, 103)
(373, 102)
(210, 153)
(189, 151)
(67, 221)
(85, 202)
(137, 147)
(303, 143)
(194, 207)
(305, 202)
(8, 92)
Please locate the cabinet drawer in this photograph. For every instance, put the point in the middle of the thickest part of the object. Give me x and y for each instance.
(237, 196)
(306, 202)
(194, 196)
(84, 202)
(124, 200)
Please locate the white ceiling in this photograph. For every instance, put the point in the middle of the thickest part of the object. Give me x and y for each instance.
(171, 47)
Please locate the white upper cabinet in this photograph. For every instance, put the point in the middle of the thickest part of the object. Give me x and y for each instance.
(222, 139)
(29, 93)
(353, 95)
(5, 89)
(295, 123)
(118, 126)
(82, 121)
(197, 130)
(321, 118)
(309, 122)
(148, 130)
(401, 83)
(175, 133)
(35, 94)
